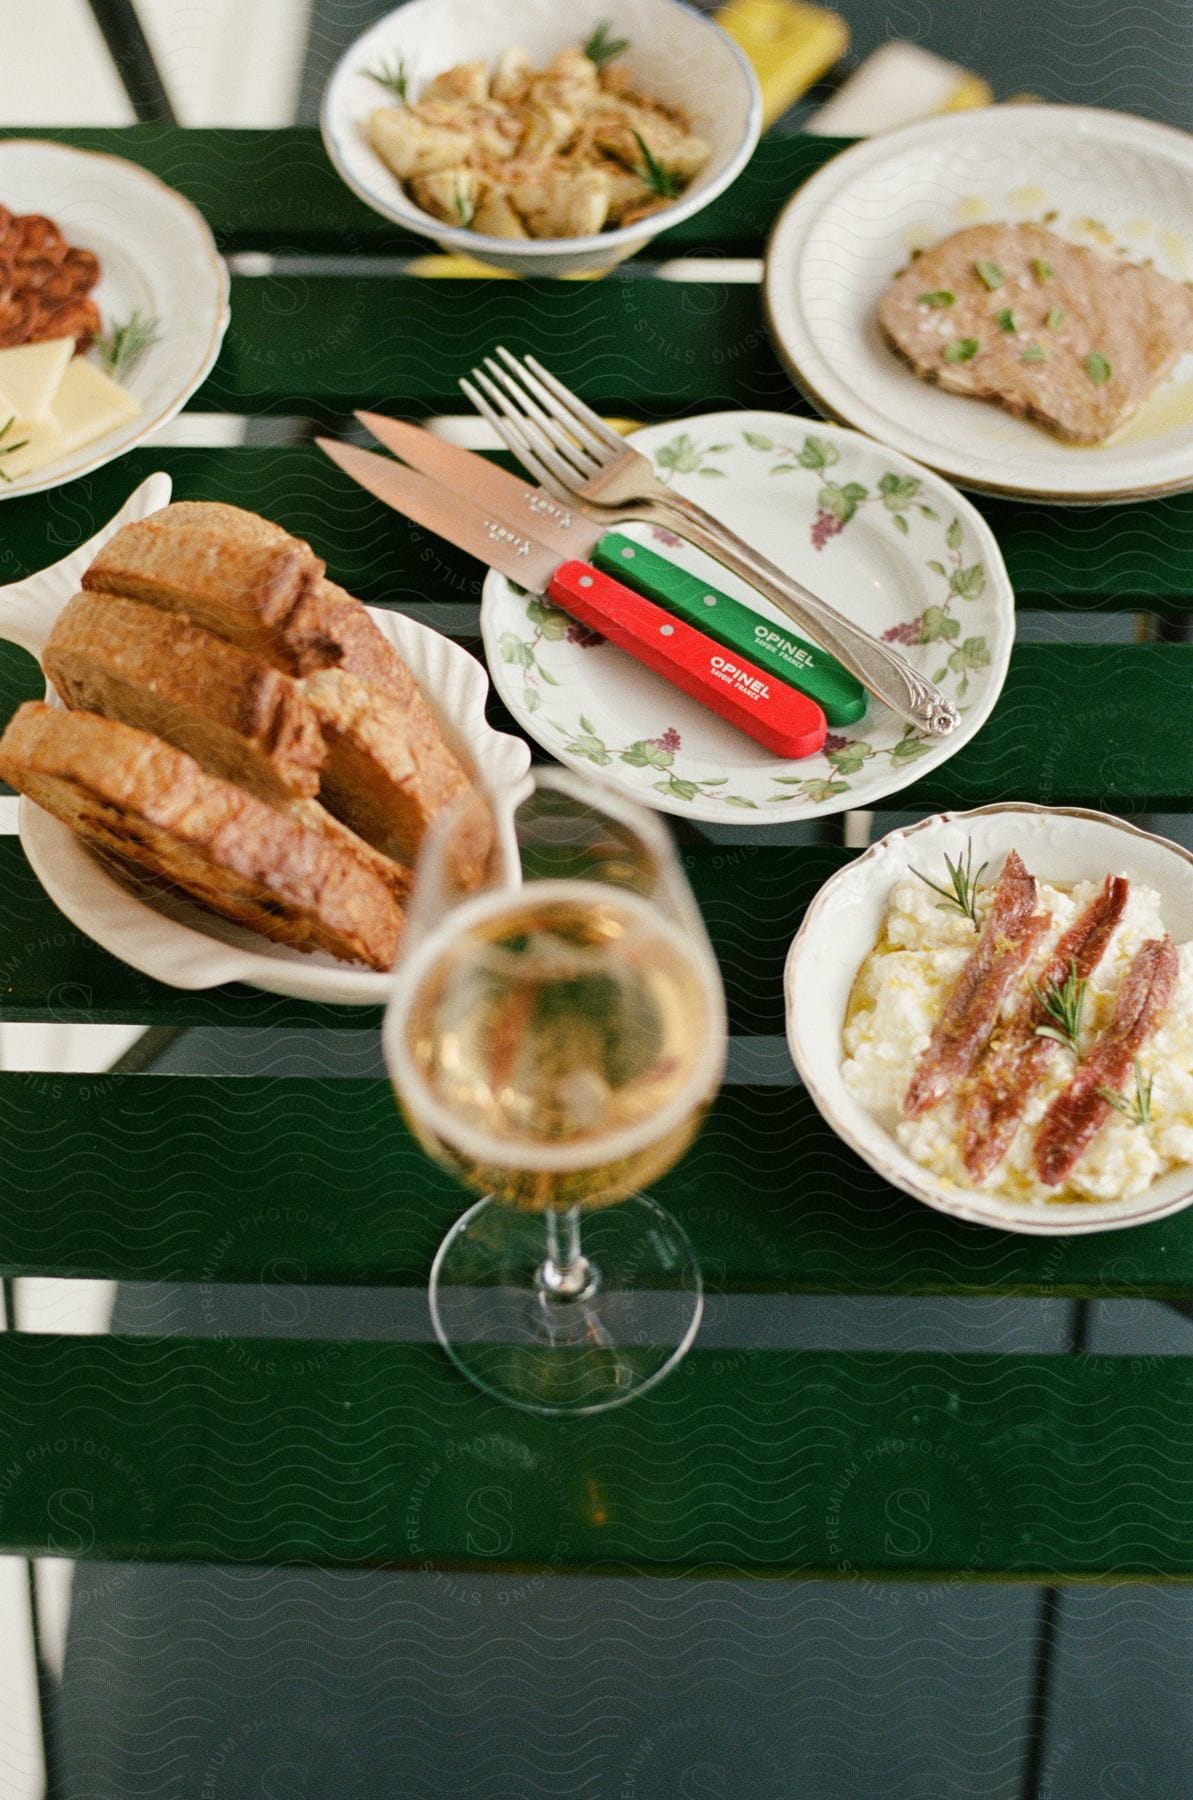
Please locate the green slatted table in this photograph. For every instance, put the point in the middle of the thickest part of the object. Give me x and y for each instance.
(765, 1461)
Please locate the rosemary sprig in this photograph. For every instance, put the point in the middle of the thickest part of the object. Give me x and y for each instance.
(1062, 1001)
(962, 895)
(7, 449)
(601, 48)
(392, 77)
(1139, 1107)
(127, 344)
(666, 182)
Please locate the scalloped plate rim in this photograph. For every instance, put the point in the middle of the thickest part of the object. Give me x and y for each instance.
(872, 1143)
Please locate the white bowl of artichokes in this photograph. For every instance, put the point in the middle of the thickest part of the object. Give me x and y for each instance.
(538, 138)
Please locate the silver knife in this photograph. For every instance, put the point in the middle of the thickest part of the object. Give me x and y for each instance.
(781, 718)
(775, 648)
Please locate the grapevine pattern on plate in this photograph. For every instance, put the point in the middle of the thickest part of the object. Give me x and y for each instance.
(837, 502)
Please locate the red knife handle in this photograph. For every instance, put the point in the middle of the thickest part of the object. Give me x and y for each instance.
(774, 715)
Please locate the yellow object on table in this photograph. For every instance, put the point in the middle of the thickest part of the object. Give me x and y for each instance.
(790, 45)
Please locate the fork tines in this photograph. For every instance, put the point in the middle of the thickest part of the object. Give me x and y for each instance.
(559, 440)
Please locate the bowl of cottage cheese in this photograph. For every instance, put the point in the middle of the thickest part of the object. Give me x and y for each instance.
(995, 1010)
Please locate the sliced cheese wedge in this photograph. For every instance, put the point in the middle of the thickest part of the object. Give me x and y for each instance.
(30, 375)
(38, 445)
(87, 405)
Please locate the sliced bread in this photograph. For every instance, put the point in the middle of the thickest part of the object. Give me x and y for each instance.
(386, 771)
(235, 714)
(234, 573)
(152, 806)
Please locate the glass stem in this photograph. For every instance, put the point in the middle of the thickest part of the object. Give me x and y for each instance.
(566, 1273)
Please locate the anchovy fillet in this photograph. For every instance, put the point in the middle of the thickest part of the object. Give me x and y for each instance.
(1015, 1062)
(1078, 1114)
(1006, 940)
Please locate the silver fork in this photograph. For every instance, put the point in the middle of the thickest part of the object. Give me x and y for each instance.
(572, 453)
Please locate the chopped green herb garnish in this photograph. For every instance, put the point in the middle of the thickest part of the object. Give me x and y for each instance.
(1056, 318)
(127, 344)
(1097, 368)
(667, 182)
(961, 350)
(961, 895)
(392, 77)
(1040, 269)
(1139, 1107)
(989, 272)
(601, 48)
(1061, 1002)
(8, 449)
(1035, 353)
(1006, 320)
(940, 297)
(465, 206)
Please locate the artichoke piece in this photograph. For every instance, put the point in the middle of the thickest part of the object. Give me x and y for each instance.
(675, 148)
(467, 81)
(568, 82)
(448, 194)
(496, 217)
(411, 146)
(563, 203)
(512, 77)
(547, 129)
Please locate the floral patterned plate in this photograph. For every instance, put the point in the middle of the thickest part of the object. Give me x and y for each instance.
(882, 539)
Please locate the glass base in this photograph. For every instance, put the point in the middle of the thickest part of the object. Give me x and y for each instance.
(582, 1346)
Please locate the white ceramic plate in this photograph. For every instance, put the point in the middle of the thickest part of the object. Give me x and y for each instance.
(884, 541)
(853, 226)
(170, 939)
(677, 54)
(841, 927)
(157, 256)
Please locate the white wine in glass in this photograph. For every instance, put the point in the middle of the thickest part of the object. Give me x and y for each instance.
(554, 1040)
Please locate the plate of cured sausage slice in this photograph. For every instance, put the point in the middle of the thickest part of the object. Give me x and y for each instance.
(995, 1010)
(113, 305)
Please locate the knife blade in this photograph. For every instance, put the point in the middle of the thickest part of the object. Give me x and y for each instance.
(571, 531)
(776, 716)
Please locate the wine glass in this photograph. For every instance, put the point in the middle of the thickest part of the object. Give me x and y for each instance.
(556, 1032)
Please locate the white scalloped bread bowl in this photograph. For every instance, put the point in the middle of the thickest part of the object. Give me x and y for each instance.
(168, 937)
(1059, 845)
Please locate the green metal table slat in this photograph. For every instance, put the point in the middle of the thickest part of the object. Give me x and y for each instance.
(190, 1178)
(1089, 725)
(752, 899)
(276, 190)
(321, 346)
(1059, 556)
(765, 1463)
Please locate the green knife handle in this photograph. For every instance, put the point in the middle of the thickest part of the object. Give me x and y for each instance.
(774, 648)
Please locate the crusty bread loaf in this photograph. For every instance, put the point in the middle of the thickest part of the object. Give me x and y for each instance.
(153, 806)
(387, 770)
(236, 715)
(384, 771)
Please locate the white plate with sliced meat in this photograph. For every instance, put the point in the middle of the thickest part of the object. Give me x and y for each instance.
(159, 290)
(1002, 295)
(995, 1010)
(153, 926)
